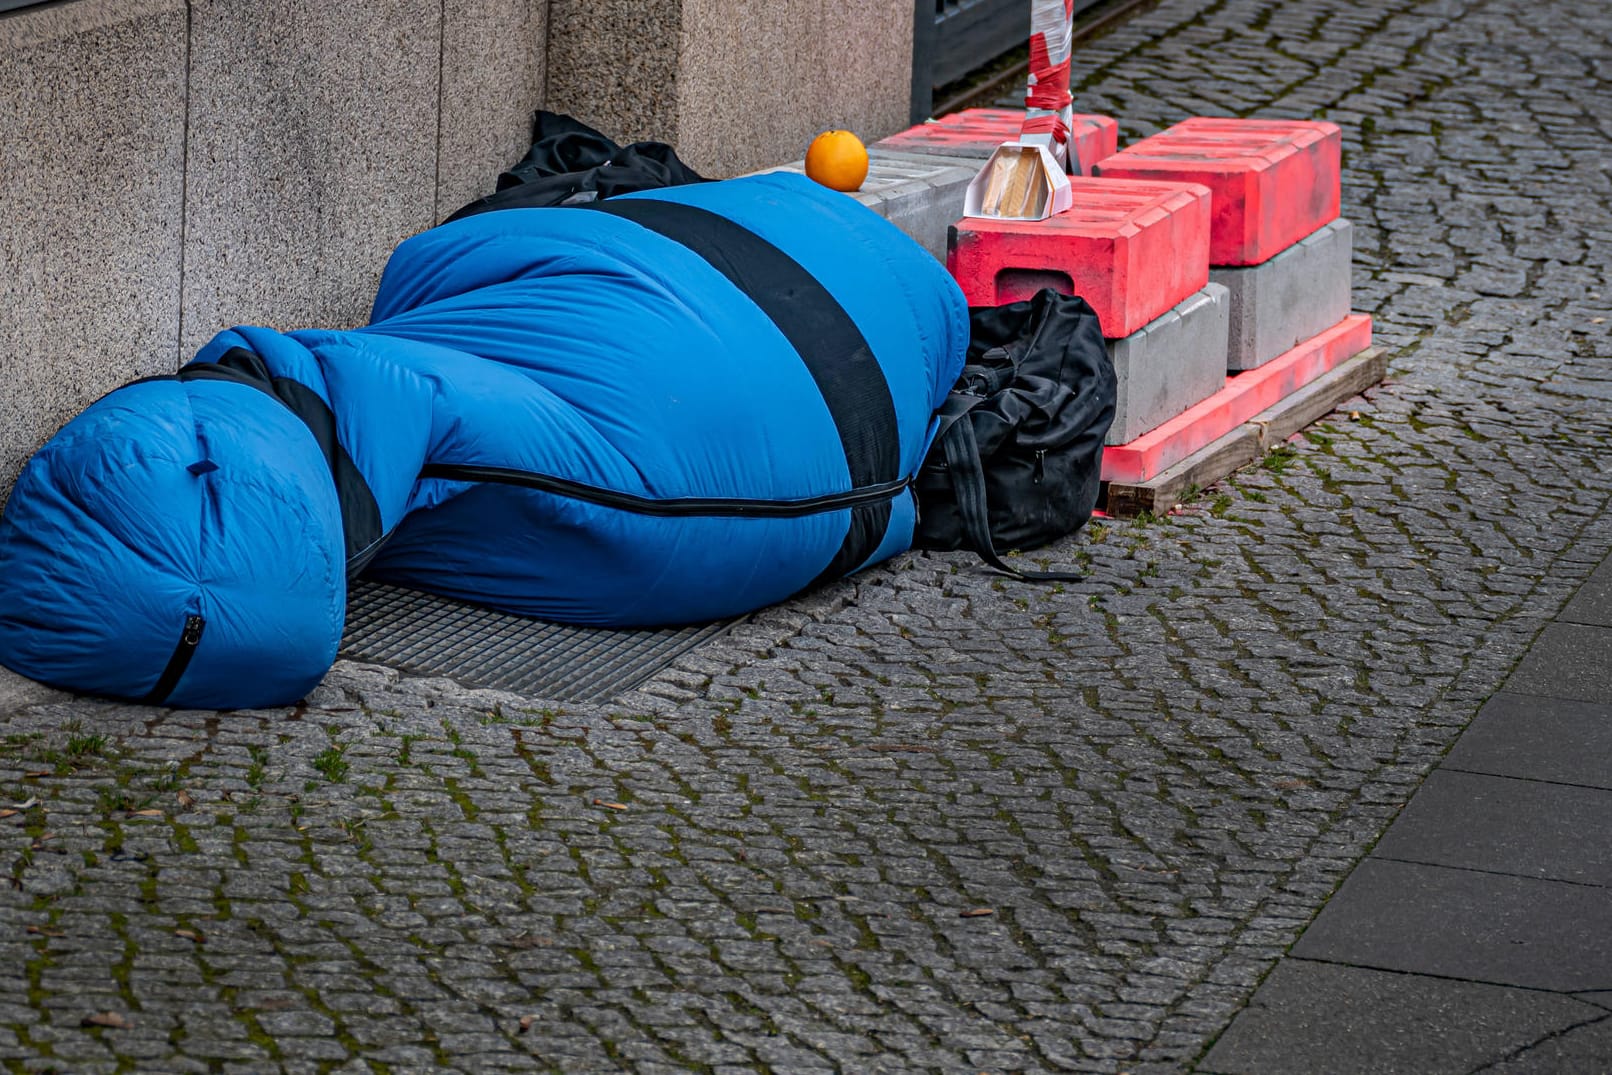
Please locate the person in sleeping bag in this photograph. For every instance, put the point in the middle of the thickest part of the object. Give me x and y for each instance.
(662, 408)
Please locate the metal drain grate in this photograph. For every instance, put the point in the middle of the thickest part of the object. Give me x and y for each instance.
(437, 636)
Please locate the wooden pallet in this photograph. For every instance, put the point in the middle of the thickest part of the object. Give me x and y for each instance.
(1249, 441)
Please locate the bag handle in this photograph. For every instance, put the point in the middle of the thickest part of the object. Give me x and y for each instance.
(968, 486)
(957, 406)
(983, 378)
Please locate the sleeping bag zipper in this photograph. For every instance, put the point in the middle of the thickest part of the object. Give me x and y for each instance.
(671, 506)
(189, 639)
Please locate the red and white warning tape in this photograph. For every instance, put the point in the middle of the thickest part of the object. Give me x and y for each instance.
(1049, 110)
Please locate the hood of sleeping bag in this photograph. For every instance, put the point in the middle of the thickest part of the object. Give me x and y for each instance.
(667, 407)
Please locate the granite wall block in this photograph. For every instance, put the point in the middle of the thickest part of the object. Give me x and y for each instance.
(733, 86)
(493, 71)
(756, 82)
(313, 151)
(614, 64)
(92, 123)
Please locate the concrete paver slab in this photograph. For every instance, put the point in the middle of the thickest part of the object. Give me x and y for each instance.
(1593, 603)
(1583, 1048)
(1326, 1019)
(1538, 739)
(1569, 660)
(1466, 924)
(1523, 827)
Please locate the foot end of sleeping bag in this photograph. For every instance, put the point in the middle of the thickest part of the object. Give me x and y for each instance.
(179, 543)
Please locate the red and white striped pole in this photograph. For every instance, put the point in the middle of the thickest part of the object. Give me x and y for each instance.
(1049, 110)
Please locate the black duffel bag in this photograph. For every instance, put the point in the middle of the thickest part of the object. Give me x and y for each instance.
(1017, 459)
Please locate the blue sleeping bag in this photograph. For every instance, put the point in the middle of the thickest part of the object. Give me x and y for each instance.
(664, 408)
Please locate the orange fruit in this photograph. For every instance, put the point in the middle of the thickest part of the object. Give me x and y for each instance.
(838, 160)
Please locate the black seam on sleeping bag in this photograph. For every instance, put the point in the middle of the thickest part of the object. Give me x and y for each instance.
(360, 515)
(828, 341)
(874, 496)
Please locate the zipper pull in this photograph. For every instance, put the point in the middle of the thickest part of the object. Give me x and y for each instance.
(1040, 469)
(189, 639)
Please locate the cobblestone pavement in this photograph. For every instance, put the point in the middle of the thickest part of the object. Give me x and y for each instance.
(780, 854)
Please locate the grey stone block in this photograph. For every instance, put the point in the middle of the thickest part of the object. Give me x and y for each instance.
(1169, 364)
(313, 151)
(1322, 1019)
(492, 83)
(1466, 924)
(93, 95)
(1298, 293)
(923, 196)
(1538, 739)
(1568, 660)
(1530, 828)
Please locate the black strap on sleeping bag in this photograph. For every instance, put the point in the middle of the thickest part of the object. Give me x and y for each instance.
(360, 515)
(828, 341)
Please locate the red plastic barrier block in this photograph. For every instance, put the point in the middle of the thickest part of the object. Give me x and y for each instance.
(1274, 180)
(1132, 250)
(1244, 396)
(978, 131)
